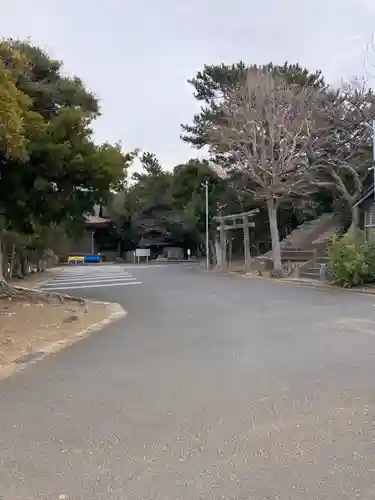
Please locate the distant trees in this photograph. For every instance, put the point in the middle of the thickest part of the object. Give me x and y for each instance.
(283, 135)
(161, 207)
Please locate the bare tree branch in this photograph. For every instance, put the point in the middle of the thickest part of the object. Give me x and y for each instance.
(340, 152)
(267, 126)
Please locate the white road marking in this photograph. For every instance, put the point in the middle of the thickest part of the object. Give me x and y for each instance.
(93, 271)
(85, 268)
(142, 266)
(101, 285)
(72, 278)
(92, 276)
(87, 282)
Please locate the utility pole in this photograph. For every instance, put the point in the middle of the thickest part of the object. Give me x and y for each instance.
(205, 185)
(373, 152)
(207, 231)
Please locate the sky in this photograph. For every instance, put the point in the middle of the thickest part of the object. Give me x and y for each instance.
(137, 55)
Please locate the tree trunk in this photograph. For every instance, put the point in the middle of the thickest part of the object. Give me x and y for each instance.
(274, 229)
(3, 281)
(12, 261)
(25, 268)
(1, 261)
(219, 254)
(355, 219)
(18, 267)
(213, 254)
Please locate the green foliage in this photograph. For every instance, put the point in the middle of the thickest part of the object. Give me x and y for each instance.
(169, 207)
(188, 192)
(41, 78)
(14, 107)
(150, 165)
(352, 260)
(369, 251)
(142, 211)
(213, 84)
(62, 173)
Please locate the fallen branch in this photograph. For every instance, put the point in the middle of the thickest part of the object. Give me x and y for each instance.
(14, 292)
(44, 293)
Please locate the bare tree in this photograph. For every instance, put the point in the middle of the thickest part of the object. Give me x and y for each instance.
(266, 127)
(340, 154)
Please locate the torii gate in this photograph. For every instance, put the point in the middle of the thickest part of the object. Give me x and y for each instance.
(235, 221)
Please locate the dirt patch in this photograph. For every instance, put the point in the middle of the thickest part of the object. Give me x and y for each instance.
(27, 326)
(32, 327)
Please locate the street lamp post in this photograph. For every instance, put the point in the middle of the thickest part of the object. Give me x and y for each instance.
(205, 185)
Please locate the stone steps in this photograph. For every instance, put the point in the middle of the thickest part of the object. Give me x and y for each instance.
(297, 255)
(307, 246)
(298, 239)
(314, 271)
(313, 274)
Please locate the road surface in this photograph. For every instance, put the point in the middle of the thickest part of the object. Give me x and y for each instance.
(213, 387)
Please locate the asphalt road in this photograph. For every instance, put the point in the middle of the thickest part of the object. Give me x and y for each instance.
(212, 387)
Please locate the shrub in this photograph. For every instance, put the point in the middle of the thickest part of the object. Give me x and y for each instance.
(370, 261)
(349, 258)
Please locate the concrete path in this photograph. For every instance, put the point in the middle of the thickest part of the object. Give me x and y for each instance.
(212, 387)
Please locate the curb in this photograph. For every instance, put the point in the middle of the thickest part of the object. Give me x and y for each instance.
(326, 287)
(24, 361)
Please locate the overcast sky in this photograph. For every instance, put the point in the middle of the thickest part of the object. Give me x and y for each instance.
(136, 55)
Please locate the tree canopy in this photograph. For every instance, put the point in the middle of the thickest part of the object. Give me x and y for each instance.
(215, 83)
(51, 169)
(316, 138)
(62, 172)
(161, 207)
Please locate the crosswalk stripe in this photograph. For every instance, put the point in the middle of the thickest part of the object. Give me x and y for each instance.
(92, 276)
(93, 271)
(101, 285)
(87, 282)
